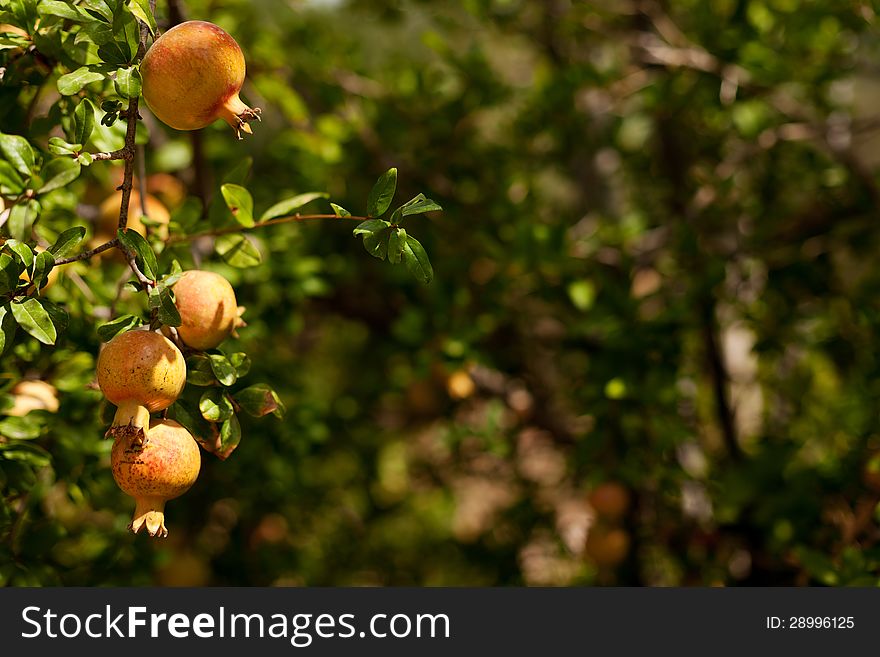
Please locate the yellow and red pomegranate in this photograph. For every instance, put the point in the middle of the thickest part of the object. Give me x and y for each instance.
(192, 75)
(162, 467)
(140, 372)
(208, 310)
(108, 217)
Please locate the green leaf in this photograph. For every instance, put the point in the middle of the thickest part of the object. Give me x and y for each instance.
(115, 53)
(57, 146)
(84, 158)
(126, 30)
(99, 9)
(141, 9)
(83, 121)
(161, 300)
(58, 173)
(109, 119)
(240, 203)
(382, 193)
(22, 218)
(64, 10)
(33, 318)
(57, 314)
(340, 211)
(111, 105)
(417, 260)
(230, 436)
(144, 255)
(237, 251)
(20, 428)
(67, 242)
(287, 206)
(111, 329)
(18, 152)
(94, 32)
(259, 400)
(223, 369)
(26, 453)
(22, 252)
(395, 245)
(44, 263)
(10, 182)
(418, 205)
(375, 232)
(7, 328)
(215, 405)
(10, 269)
(241, 362)
(128, 82)
(376, 245)
(371, 226)
(71, 83)
(199, 371)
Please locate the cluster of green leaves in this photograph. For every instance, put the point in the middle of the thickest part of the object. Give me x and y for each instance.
(24, 272)
(382, 238)
(386, 237)
(211, 414)
(106, 44)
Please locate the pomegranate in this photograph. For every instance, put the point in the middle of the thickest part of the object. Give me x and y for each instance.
(141, 372)
(168, 188)
(192, 75)
(164, 186)
(161, 468)
(108, 220)
(610, 500)
(33, 396)
(208, 310)
(606, 546)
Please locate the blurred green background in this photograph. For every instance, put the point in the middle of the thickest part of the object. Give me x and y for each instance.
(656, 267)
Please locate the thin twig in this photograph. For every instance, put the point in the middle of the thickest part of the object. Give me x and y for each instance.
(85, 255)
(142, 278)
(173, 239)
(110, 155)
(142, 179)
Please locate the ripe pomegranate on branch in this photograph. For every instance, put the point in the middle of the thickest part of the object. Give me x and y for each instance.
(164, 466)
(192, 76)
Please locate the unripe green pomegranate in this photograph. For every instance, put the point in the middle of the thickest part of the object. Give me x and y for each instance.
(192, 75)
(141, 372)
(208, 310)
(161, 468)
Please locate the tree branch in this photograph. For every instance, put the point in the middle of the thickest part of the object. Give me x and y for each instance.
(174, 239)
(121, 154)
(85, 255)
